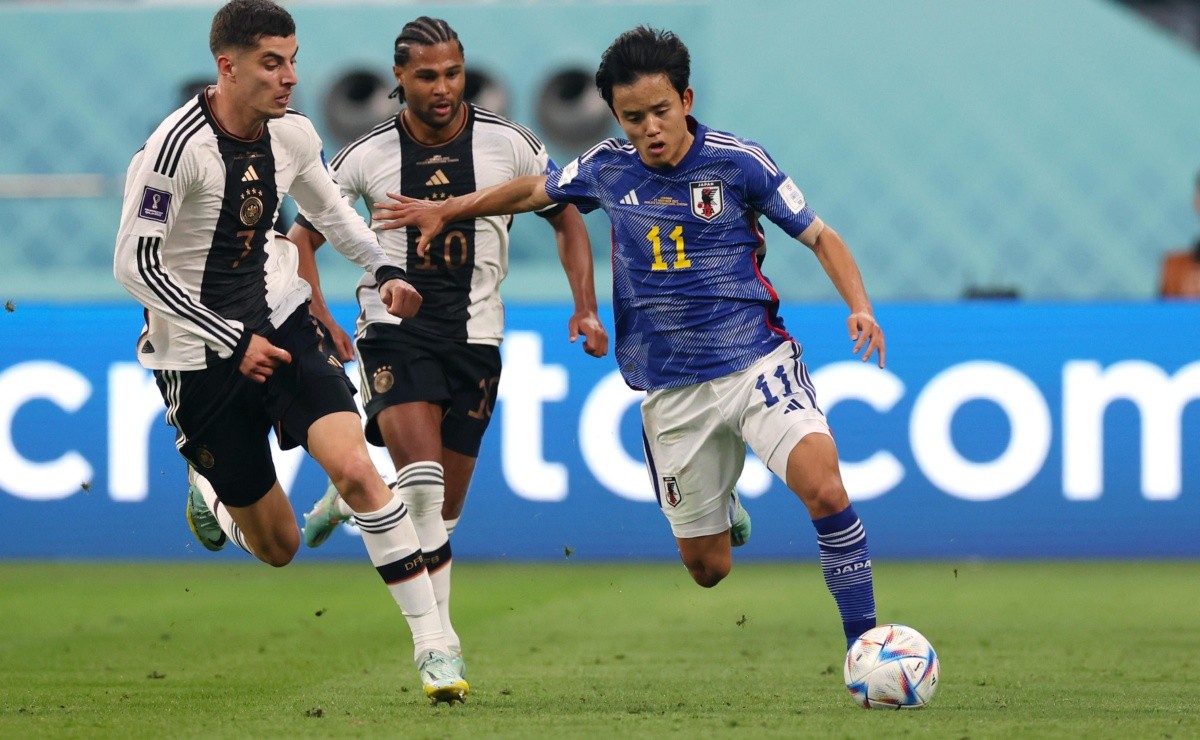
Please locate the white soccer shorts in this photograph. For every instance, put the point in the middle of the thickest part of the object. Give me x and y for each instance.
(695, 436)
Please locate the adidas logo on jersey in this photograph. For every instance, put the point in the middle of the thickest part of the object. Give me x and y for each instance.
(793, 405)
(439, 178)
(250, 175)
(631, 199)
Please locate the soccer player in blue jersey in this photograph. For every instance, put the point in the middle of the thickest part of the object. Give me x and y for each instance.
(697, 324)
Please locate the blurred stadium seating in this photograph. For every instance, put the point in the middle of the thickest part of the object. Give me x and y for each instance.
(1042, 148)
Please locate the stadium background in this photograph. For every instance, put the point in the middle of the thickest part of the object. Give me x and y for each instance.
(1046, 149)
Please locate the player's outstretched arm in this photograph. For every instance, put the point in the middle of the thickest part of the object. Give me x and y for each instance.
(307, 243)
(575, 253)
(520, 195)
(843, 272)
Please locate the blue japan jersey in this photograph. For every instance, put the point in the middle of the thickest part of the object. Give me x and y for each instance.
(689, 300)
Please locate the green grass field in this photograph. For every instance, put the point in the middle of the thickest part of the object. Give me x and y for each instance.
(577, 650)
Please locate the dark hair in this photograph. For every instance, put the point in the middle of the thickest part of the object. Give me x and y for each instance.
(424, 31)
(241, 23)
(640, 52)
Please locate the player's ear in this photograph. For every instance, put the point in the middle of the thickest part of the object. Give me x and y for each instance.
(687, 101)
(224, 65)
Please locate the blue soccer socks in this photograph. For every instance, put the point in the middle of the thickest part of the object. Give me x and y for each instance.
(846, 563)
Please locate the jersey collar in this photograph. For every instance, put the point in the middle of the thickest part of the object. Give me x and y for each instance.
(467, 123)
(206, 106)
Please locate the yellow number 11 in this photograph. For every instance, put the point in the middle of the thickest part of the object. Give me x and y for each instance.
(681, 260)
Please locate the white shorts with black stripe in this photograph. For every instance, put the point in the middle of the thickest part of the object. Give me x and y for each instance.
(695, 436)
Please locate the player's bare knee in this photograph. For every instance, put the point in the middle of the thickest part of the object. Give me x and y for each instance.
(276, 557)
(708, 573)
(707, 578)
(284, 545)
(825, 499)
(352, 477)
(277, 554)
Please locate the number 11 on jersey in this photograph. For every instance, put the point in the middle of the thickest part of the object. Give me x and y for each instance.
(681, 260)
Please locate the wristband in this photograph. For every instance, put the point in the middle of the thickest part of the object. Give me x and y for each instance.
(389, 272)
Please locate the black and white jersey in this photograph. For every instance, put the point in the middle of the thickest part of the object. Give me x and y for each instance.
(197, 246)
(459, 278)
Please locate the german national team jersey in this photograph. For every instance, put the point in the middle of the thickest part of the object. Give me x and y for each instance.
(196, 243)
(459, 278)
(690, 302)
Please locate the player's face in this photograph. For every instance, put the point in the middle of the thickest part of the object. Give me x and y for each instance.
(263, 77)
(654, 118)
(434, 81)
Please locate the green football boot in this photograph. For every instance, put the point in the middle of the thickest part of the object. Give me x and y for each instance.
(324, 518)
(200, 518)
(459, 664)
(739, 521)
(441, 681)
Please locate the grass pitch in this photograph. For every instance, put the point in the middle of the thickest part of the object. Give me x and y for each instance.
(578, 650)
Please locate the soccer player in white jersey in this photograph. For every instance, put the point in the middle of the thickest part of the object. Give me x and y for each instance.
(228, 332)
(429, 382)
(696, 320)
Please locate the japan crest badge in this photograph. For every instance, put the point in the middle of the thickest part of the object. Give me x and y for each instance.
(671, 493)
(708, 198)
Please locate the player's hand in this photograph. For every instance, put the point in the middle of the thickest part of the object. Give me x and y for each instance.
(867, 336)
(341, 340)
(401, 298)
(261, 359)
(402, 211)
(595, 338)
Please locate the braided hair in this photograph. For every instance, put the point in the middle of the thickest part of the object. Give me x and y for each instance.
(424, 31)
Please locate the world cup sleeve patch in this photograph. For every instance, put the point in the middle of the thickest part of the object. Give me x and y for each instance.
(568, 173)
(155, 204)
(791, 195)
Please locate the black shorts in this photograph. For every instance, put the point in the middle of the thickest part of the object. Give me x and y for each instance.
(222, 418)
(398, 366)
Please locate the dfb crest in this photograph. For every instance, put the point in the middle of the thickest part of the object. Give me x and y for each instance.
(671, 493)
(708, 198)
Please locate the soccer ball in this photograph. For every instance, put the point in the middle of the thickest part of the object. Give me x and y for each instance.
(892, 667)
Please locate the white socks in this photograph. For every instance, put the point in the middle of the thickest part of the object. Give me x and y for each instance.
(395, 550)
(422, 487)
(221, 512)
